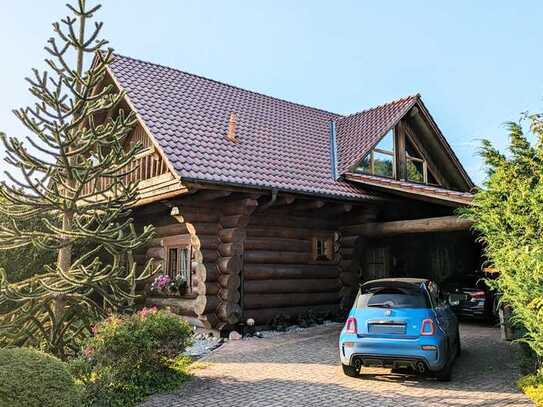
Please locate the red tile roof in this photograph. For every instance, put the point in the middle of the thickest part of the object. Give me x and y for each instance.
(405, 188)
(281, 145)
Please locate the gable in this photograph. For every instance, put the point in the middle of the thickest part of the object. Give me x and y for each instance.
(150, 167)
(357, 134)
(400, 141)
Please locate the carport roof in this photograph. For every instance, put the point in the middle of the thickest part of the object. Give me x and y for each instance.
(413, 190)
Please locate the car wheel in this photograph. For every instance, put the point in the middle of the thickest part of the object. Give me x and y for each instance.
(350, 371)
(445, 374)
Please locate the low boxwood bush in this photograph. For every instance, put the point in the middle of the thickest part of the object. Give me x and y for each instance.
(532, 386)
(31, 378)
(131, 357)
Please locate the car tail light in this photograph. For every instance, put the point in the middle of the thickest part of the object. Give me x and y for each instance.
(427, 327)
(478, 295)
(350, 325)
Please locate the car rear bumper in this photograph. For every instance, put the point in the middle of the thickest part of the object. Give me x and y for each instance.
(393, 353)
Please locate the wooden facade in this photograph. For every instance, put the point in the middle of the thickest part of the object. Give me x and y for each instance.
(255, 256)
(260, 253)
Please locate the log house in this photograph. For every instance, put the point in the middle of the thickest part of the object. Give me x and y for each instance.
(269, 208)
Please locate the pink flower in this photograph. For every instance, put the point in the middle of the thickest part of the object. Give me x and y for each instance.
(147, 311)
(88, 351)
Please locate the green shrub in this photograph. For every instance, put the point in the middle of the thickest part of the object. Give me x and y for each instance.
(508, 216)
(532, 386)
(31, 378)
(130, 357)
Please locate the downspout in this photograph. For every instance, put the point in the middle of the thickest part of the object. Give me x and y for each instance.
(274, 193)
(333, 149)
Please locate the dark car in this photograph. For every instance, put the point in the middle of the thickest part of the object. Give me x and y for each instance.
(472, 298)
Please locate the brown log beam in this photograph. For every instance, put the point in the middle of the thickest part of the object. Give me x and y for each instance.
(181, 306)
(308, 205)
(283, 232)
(440, 224)
(256, 301)
(205, 304)
(210, 195)
(229, 312)
(292, 286)
(287, 245)
(336, 210)
(241, 207)
(229, 296)
(280, 271)
(273, 257)
(284, 200)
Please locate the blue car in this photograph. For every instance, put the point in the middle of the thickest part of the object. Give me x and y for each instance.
(400, 323)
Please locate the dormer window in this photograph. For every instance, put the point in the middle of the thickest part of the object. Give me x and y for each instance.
(381, 160)
(400, 159)
(417, 166)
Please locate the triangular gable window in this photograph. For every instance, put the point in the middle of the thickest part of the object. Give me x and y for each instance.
(381, 160)
(416, 165)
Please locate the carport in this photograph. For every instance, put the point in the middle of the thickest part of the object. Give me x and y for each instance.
(420, 235)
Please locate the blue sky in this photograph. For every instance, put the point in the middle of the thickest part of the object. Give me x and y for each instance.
(477, 64)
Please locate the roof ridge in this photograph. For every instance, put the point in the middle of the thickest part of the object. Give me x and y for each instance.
(382, 105)
(227, 84)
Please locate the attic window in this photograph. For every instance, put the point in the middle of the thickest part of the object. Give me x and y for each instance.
(417, 166)
(381, 160)
(232, 126)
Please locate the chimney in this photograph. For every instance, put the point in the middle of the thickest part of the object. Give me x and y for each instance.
(232, 125)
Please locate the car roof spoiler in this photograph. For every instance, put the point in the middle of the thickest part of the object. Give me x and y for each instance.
(395, 283)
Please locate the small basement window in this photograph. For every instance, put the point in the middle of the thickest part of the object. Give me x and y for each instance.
(323, 248)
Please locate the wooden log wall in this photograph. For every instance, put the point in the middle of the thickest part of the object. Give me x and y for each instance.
(199, 223)
(257, 263)
(352, 249)
(280, 274)
(234, 218)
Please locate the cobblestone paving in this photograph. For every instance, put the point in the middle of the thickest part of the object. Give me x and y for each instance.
(302, 369)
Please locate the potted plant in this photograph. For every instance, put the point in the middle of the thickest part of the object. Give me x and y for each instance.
(166, 285)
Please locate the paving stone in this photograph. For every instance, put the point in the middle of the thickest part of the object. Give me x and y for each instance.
(302, 369)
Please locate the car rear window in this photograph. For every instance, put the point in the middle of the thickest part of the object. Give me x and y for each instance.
(392, 297)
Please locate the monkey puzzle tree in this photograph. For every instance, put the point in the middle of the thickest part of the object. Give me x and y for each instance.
(70, 174)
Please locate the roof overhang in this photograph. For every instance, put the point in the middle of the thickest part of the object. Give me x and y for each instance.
(428, 193)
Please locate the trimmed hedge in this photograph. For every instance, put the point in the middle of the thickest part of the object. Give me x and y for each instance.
(32, 378)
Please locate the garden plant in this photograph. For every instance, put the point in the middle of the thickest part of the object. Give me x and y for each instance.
(67, 195)
(508, 215)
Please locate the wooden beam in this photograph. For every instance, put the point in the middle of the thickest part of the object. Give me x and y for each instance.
(307, 205)
(337, 210)
(211, 195)
(284, 200)
(440, 224)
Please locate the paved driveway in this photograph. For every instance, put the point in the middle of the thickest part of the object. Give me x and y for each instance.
(301, 369)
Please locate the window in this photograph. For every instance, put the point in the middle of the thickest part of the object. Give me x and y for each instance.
(323, 249)
(381, 160)
(178, 262)
(392, 297)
